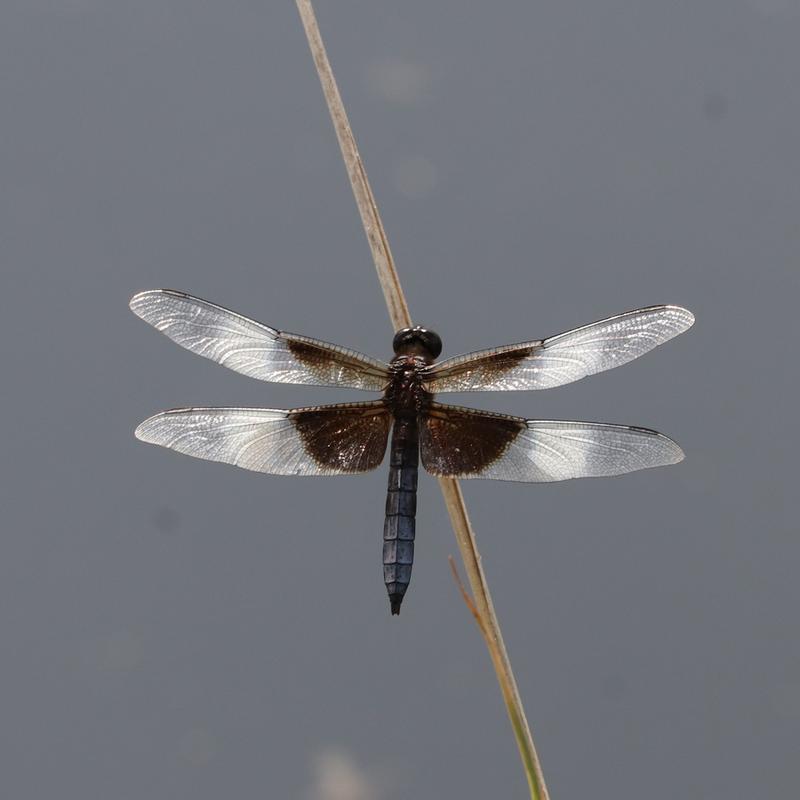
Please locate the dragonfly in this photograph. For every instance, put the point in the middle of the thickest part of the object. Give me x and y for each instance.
(451, 441)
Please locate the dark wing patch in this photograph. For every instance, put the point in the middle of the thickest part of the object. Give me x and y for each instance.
(349, 437)
(461, 442)
(324, 440)
(501, 368)
(332, 365)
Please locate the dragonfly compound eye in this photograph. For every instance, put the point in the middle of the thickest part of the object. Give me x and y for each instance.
(416, 339)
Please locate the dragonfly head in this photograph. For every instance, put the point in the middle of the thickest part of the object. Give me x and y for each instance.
(417, 341)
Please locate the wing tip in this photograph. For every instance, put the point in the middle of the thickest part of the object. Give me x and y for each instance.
(143, 431)
(136, 302)
(683, 314)
(146, 429)
(676, 451)
(672, 451)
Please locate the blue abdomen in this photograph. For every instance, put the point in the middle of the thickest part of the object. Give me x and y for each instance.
(401, 509)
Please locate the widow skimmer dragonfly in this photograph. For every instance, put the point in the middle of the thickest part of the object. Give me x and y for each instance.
(453, 441)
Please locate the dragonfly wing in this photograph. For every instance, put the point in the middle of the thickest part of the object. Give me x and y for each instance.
(323, 440)
(564, 358)
(465, 443)
(253, 349)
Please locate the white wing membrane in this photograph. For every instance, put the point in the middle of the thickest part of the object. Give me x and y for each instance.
(325, 440)
(256, 350)
(564, 358)
(552, 450)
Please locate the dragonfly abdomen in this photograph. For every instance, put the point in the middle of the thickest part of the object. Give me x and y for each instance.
(401, 509)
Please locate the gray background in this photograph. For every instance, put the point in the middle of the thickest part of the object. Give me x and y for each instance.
(171, 628)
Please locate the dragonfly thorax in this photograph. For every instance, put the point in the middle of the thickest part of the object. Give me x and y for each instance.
(406, 391)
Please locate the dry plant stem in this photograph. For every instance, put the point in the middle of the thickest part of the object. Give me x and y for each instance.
(482, 610)
(481, 606)
(370, 219)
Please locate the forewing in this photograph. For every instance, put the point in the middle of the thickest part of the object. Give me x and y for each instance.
(254, 349)
(564, 358)
(464, 443)
(322, 440)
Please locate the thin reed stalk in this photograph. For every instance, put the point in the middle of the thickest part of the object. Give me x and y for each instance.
(480, 603)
